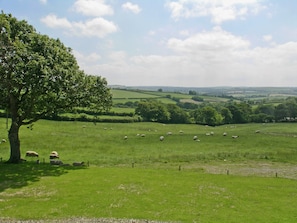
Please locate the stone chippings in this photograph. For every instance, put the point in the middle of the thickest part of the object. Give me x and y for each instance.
(82, 220)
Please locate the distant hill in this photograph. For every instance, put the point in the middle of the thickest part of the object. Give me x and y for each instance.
(219, 91)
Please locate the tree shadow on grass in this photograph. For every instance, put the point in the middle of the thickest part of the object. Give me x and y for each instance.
(20, 175)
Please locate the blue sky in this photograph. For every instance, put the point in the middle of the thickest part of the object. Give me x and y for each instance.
(190, 43)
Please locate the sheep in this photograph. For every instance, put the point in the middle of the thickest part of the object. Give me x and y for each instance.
(32, 154)
(257, 131)
(56, 162)
(195, 137)
(161, 138)
(225, 134)
(125, 137)
(54, 155)
(78, 164)
(235, 137)
(207, 134)
(142, 135)
(169, 133)
(211, 133)
(3, 140)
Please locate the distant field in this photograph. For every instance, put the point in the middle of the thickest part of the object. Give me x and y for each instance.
(125, 94)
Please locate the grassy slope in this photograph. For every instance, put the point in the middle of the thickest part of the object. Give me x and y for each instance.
(154, 188)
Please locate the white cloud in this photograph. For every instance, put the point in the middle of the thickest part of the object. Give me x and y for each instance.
(209, 58)
(53, 21)
(93, 8)
(86, 60)
(184, 33)
(131, 7)
(214, 41)
(98, 27)
(219, 10)
(267, 38)
(43, 1)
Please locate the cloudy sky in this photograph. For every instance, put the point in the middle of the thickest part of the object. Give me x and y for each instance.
(191, 43)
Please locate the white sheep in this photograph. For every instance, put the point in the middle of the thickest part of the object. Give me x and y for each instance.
(225, 134)
(235, 137)
(125, 137)
(257, 131)
(169, 133)
(3, 140)
(54, 155)
(31, 153)
(56, 162)
(161, 138)
(195, 137)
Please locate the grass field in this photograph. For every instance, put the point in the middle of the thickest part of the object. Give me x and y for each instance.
(217, 179)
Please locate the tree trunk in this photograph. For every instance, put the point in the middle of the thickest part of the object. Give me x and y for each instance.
(13, 136)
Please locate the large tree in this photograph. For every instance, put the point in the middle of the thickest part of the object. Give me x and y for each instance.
(39, 76)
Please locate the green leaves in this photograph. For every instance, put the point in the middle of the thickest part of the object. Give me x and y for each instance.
(40, 75)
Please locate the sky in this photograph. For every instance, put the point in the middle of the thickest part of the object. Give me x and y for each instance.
(184, 43)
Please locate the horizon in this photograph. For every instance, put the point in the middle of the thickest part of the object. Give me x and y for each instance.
(184, 43)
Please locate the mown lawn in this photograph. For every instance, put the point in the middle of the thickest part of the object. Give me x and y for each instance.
(181, 196)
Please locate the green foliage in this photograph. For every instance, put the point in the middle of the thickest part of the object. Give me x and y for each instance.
(153, 111)
(209, 116)
(197, 98)
(40, 77)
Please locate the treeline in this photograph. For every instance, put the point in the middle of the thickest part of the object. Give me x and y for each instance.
(218, 113)
(212, 114)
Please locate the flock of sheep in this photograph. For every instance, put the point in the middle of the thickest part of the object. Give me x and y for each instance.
(195, 137)
(54, 158)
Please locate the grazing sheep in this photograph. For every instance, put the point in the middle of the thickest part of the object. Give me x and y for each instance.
(161, 138)
(32, 154)
(257, 131)
(225, 134)
(181, 131)
(211, 133)
(125, 137)
(56, 162)
(78, 164)
(3, 140)
(235, 137)
(54, 155)
(207, 134)
(142, 135)
(169, 133)
(195, 137)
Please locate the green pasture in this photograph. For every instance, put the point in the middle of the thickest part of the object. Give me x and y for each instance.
(214, 179)
(122, 110)
(125, 94)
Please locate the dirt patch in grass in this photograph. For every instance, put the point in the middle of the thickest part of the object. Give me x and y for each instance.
(254, 169)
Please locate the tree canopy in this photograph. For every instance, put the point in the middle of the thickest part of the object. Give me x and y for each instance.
(40, 76)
